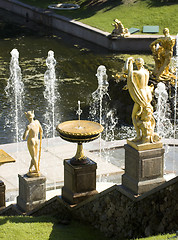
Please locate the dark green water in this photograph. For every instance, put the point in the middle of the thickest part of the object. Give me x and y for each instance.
(75, 71)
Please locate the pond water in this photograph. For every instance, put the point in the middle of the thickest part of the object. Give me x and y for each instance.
(75, 73)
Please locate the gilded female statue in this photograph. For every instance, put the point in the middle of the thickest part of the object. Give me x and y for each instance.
(141, 93)
(32, 130)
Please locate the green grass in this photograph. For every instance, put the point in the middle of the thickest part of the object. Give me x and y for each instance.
(44, 228)
(159, 237)
(135, 14)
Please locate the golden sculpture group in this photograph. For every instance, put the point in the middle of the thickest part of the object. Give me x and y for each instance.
(119, 30)
(162, 50)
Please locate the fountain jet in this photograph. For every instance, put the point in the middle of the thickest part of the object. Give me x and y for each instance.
(50, 94)
(14, 92)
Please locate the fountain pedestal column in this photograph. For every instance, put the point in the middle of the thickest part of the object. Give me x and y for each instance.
(32, 192)
(143, 168)
(2, 194)
(79, 181)
(79, 171)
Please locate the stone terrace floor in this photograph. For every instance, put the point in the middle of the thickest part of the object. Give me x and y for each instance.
(110, 164)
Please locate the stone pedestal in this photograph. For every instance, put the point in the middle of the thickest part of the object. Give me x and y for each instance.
(143, 169)
(2, 194)
(32, 192)
(79, 181)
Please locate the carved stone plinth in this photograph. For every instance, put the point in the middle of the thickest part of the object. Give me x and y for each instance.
(79, 181)
(32, 192)
(2, 194)
(143, 169)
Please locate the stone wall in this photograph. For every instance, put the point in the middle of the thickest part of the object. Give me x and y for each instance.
(55, 207)
(118, 213)
(121, 215)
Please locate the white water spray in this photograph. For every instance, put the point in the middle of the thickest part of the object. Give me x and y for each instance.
(162, 114)
(100, 111)
(14, 91)
(50, 95)
(175, 103)
(97, 108)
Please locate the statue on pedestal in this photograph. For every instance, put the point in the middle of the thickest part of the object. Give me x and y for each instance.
(141, 93)
(119, 30)
(162, 50)
(32, 130)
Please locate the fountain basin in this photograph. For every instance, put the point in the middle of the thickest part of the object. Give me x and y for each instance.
(79, 131)
(64, 6)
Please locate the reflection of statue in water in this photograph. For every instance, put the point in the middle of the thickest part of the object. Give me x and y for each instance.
(141, 93)
(162, 50)
(32, 130)
(119, 30)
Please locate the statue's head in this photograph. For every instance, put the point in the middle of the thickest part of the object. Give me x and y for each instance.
(30, 114)
(166, 31)
(139, 62)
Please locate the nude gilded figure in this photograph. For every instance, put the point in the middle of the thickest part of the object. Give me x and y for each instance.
(32, 130)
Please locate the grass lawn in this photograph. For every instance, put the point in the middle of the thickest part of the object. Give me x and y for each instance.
(100, 14)
(46, 227)
(159, 237)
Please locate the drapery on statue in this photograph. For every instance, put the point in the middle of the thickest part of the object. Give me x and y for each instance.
(141, 93)
(32, 130)
(119, 30)
(162, 50)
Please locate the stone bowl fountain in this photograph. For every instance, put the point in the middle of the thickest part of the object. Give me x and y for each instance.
(64, 6)
(79, 131)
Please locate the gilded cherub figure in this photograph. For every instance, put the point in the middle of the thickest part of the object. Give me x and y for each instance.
(162, 50)
(32, 130)
(141, 93)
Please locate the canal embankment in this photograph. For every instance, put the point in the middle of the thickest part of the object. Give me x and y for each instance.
(51, 20)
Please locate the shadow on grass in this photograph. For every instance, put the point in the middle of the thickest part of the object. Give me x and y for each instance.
(160, 3)
(100, 4)
(71, 231)
(89, 8)
(75, 231)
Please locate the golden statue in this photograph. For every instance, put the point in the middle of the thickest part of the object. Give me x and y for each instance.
(119, 30)
(141, 93)
(32, 130)
(162, 50)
